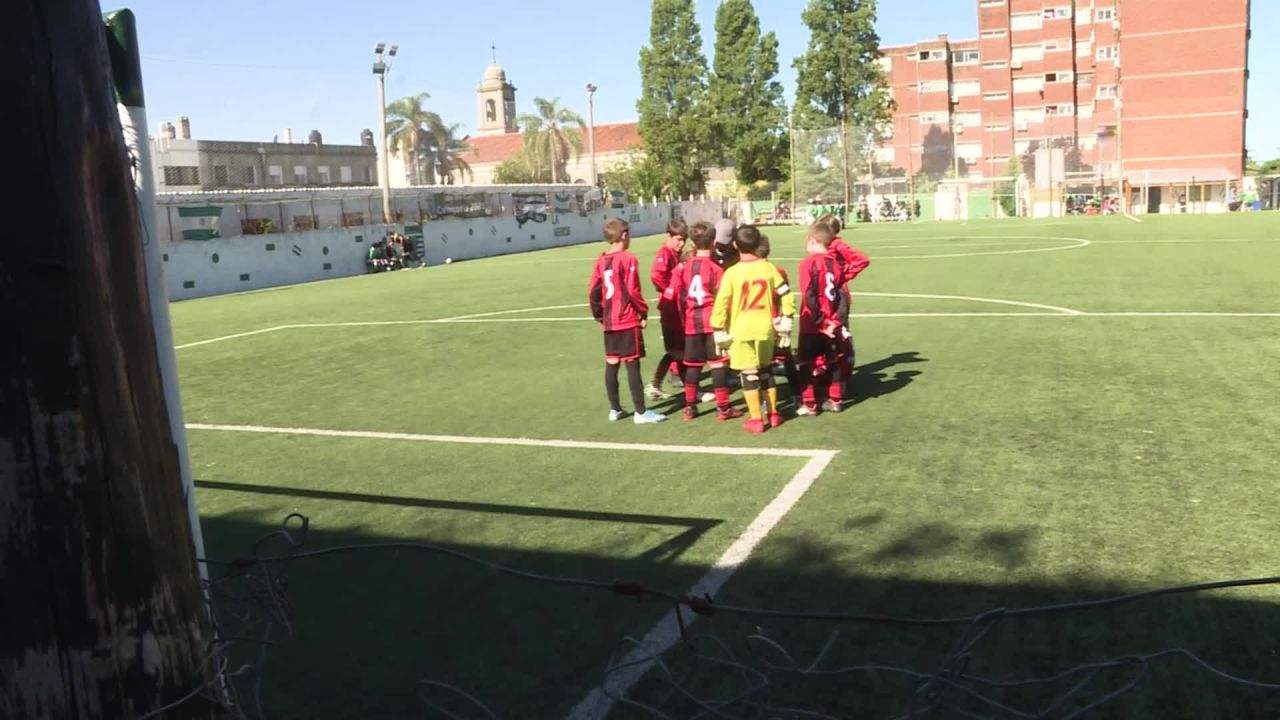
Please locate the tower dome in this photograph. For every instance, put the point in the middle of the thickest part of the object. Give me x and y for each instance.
(495, 73)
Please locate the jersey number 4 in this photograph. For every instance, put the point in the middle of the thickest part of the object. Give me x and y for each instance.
(756, 302)
(696, 292)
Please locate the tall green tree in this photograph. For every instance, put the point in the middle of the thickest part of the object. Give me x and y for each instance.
(745, 97)
(411, 129)
(838, 78)
(673, 97)
(549, 138)
(448, 154)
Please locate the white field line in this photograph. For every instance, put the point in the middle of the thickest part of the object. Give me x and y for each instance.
(511, 312)
(519, 442)
(875, 316)
(1079, 243)
(1134, 218)
(229, 337)
(666, 633)
(993, 301)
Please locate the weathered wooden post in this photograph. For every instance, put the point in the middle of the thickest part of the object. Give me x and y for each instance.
(101, 611)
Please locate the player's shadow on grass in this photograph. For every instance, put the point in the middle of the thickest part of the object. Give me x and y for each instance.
(873, 379)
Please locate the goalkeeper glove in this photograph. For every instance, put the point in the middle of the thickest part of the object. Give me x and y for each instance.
(782, 325)
(782, 342)
(722, 338)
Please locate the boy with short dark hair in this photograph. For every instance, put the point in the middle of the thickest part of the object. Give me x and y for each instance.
(743, 318)
(664, 266)
(823, 305)
(693, 288)
(618, 304)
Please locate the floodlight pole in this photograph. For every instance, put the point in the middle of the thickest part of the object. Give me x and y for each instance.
(381, 69)
(591, 132)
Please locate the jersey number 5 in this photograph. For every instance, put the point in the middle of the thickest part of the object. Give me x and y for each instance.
(757, 302)
(608, 285)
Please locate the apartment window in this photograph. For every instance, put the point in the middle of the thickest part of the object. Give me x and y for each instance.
(1084, 16)
(964, 57)
(886, 63)
(1085, 111)
(995, 65)
(1026, 53)
(300, 174)
(344, 174)
(1056, 45)
(927, 55)
(996, 96)
(967, 119)
(1025, 21)
(1060, 110)
(992, 34)
(323, 172)
(998, 128)
(249, 175)
(1087, 142)
(1022, 147)
(368, 174)
(1084, 48)
(990, 3)
(965, 88)
(1105, 14)
(1084, 79)
(1024, 116)
(181, 175)
(930, 86)
(276, 173)
(885, 155)
(969, 151)
(1057, 13)
(1106, 92)
(1057, 77)
(1110, 52)
(1029, 84)
(933, 118)
(220, 176)
(999, 158)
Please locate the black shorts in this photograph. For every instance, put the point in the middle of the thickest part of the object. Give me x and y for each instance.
(814, 346)
(624, 345)
(700, 350)
(672, 338)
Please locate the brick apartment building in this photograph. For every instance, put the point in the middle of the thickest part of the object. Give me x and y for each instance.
(1151, 91)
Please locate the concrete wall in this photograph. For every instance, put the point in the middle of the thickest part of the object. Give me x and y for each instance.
(199, 268)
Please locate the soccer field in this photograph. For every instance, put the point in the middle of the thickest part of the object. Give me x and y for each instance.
(1045, 411)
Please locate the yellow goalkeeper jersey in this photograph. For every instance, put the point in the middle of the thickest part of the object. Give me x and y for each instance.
(751, 293)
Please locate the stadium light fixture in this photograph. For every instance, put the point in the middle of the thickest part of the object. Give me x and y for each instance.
(381, 69)
(591, 132)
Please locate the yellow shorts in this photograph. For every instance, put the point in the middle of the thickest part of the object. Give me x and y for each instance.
(750, 354)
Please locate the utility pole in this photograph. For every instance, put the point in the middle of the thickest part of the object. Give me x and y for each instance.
(381, 69)
(791, 135)
(591, 132)
(103, 614)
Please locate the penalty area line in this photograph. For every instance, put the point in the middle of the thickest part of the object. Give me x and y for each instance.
(666, 633)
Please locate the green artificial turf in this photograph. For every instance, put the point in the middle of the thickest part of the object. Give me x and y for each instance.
(993, 461)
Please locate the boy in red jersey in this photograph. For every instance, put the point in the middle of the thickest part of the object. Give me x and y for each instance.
(823, 304)
(617, 303)
(851, 262)
(664, 265)
(693, 288)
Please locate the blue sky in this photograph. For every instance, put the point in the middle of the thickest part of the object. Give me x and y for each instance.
(244, 70)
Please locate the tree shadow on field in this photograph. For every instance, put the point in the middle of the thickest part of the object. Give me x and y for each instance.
(872, 380)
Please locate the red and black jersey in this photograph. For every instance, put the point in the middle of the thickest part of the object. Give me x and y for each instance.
(616, 298)
(664, 268)
(822, 299)
(851, 261)
(693, 288)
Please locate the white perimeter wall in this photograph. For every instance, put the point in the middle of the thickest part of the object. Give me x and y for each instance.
(199, 268)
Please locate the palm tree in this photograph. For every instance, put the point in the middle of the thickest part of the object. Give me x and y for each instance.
(446, 154)
(410, 127)
(548, 139)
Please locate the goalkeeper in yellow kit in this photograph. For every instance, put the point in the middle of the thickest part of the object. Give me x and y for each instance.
(743, 319)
